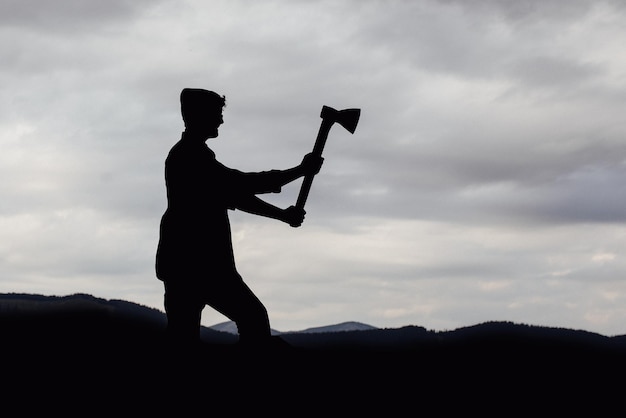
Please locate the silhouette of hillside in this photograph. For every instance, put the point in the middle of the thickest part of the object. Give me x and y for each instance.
(67, 351)
(231, 327)
(91, 317)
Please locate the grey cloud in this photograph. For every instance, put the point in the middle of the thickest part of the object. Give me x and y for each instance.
(525, 11)
(550, 72)
(589, 195)
(429, 39)
(67, 16)
(486, 40)
(508, 183)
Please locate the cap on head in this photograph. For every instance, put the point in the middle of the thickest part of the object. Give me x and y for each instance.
(196, 103)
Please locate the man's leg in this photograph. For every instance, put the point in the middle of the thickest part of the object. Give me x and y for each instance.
(183, 310)
(235, 300)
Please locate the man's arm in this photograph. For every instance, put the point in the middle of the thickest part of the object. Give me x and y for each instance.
(311, 164)
(253, 204)
(272, 181)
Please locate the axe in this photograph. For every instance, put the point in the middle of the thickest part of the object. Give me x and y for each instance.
(348, 118)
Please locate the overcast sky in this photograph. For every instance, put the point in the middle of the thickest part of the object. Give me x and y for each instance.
(485, 180)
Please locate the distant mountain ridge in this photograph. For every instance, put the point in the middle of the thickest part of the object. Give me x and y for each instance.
(88, 312)
(348, 326)
(341, 327)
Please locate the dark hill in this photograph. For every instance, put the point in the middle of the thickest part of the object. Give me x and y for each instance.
(110, 356)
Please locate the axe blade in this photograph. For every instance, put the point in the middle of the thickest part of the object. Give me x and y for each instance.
(348, 118)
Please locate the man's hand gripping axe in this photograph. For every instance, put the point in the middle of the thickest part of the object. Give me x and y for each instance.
(348, 118)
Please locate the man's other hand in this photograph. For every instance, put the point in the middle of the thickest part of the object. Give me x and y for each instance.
(294, 216)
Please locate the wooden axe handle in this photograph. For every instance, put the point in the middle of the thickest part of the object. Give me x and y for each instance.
(322, 135)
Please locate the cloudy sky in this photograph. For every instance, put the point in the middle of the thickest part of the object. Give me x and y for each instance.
(485, 180)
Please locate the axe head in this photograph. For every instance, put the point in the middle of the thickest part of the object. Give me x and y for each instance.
(348, 118)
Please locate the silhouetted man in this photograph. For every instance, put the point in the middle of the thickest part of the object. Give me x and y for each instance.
(195, 254)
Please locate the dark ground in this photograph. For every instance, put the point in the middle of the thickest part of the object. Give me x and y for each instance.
(94, 363)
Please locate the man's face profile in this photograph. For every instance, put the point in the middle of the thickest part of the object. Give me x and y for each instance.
(213, 121)
(206, 123)
(202, 111)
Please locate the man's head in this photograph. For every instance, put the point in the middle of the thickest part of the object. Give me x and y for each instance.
(202, 111)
